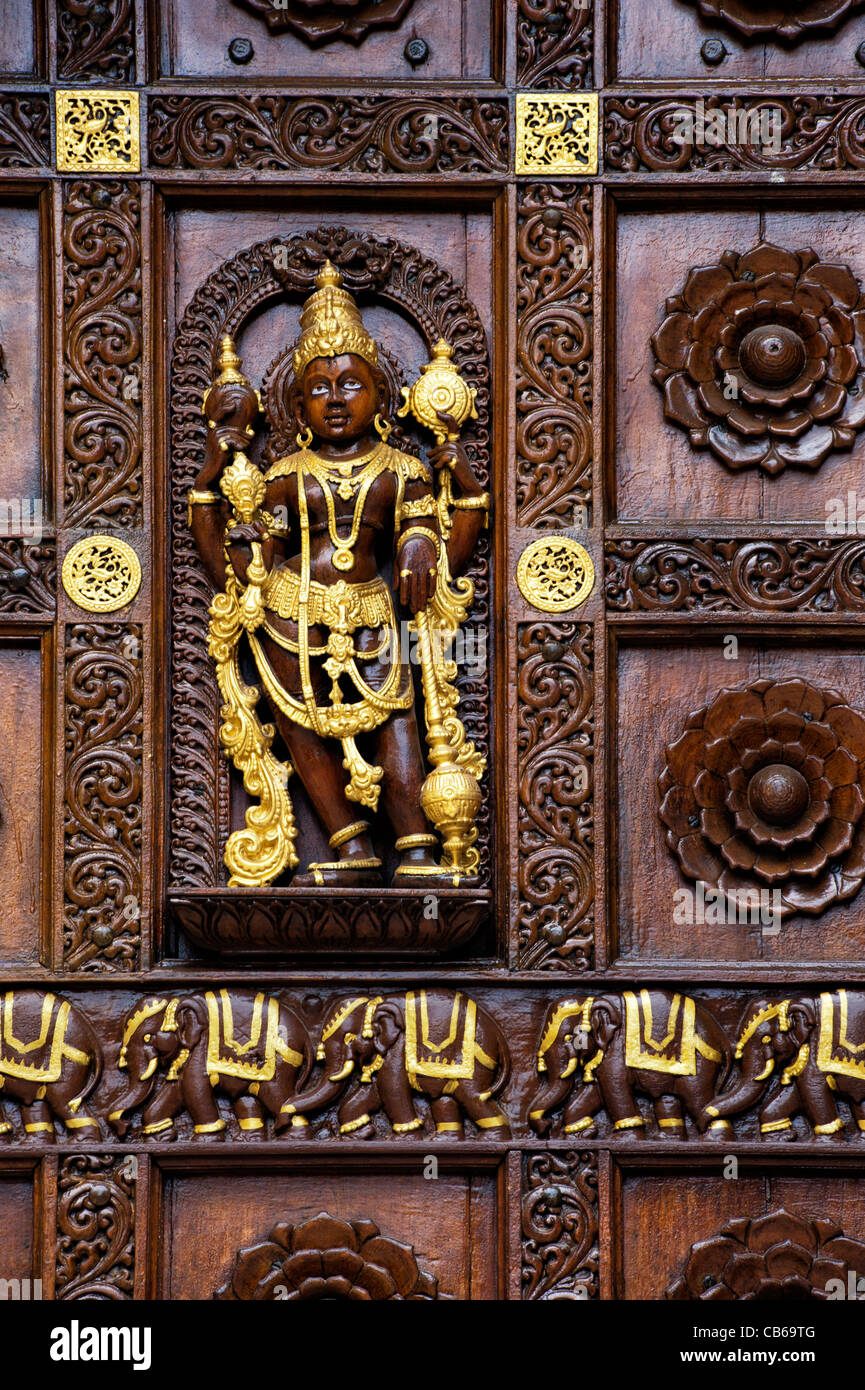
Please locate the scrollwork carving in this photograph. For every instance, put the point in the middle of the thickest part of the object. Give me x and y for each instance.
(554, 45)
(554, 355)
(28, 577)
(103, 784)
(783, 576)
(95, 1255)
(560, 1226)
(25, 132)
(96, 42)
(368, 134)
(810, 133)
(102, 347)
(555, 767)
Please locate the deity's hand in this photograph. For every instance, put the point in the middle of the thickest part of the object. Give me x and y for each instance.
(220, 441)
(452, 455)
(417, 573)
(240, 540)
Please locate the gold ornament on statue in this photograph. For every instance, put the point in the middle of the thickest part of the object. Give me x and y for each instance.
(439, 390)
(451, 794)
(331, 325)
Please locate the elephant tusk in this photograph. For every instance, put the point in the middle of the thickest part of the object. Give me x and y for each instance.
(767, 1070)
(569, 1069)
(149, 1069)
(346, 1071)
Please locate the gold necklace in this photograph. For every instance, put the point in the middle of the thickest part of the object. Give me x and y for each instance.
(341, 472)
(343, 557)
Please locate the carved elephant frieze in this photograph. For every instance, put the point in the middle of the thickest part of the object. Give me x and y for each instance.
(50, 1062)
(180, 1053)
(437, 1043)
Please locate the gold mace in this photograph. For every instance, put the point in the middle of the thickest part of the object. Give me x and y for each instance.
(450, 796)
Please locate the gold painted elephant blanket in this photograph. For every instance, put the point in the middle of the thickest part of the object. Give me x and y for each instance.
(660, 1034)
(841, 1042)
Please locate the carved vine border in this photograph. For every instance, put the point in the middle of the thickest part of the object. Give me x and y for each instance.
(415, 285)
(554, 45)
(783, 576)
(364, 135)
(95, 1250)
(555, 779)
(96, 42)
(103, 779)
(561, 1257)
(554, 355)
(102, 353)
(816, 133)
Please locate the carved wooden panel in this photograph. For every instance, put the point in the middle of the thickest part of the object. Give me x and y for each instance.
(619, 1056)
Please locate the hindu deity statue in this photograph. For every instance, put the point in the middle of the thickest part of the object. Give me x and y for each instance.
(322, 563)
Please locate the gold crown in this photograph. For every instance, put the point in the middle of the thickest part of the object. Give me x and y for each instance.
(331, 324)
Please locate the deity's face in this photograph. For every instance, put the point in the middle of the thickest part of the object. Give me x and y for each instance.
(341, 397)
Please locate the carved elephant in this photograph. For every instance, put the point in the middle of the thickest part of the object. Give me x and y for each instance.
(795, 1056)
(50, 1060)
(436, 1042)
(595, 1052)
(181, 1052)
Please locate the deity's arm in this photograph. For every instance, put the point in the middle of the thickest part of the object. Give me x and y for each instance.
(208, 512)
(470, 504)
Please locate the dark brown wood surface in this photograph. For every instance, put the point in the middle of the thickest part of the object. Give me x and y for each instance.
(115, 802)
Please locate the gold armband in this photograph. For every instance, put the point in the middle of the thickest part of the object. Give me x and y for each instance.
(195, 498)
(421, 506)
(419, 531)
(468, 504)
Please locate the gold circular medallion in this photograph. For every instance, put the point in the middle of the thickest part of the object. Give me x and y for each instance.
(101, 574)
(555, 574)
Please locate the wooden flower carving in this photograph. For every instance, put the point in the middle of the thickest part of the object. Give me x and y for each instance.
(795, 19)
(776, 1257)
(760, 358)
(320, 21)
(764, 789)
(326, 1258)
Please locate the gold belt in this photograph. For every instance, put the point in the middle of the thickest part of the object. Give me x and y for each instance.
(341, 606)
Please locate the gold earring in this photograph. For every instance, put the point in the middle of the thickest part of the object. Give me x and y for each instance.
(383, 428)
(304, 439)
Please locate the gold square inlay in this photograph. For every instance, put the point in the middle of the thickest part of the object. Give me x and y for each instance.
(98, 132)
(557, 134)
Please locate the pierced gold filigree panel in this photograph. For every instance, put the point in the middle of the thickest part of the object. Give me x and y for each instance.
(98, 132)
(557, 134)
(101, 574)
(555, 575)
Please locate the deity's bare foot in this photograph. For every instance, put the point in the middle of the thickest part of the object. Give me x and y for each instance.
(419, 862)
(343, 873)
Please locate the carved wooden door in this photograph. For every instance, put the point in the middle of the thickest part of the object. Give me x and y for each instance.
(583, 954)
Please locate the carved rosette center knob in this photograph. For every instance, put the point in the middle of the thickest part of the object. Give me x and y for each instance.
(778, 794)
(772, 355)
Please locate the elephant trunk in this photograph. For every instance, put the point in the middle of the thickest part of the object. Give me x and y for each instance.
(135, 1094)
(550, 1094)
(749, 1090)
(304, 1102)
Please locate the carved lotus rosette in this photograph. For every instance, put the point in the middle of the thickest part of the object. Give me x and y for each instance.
(764, 790)
(760, 356)
(776, 1257)
(321, 21)
(793, 20)
(325, 1258)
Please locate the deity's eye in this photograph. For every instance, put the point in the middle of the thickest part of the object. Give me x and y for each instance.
(351, 383)
(318, 388)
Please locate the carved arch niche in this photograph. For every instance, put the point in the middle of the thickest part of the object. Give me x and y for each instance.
(394, 283)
